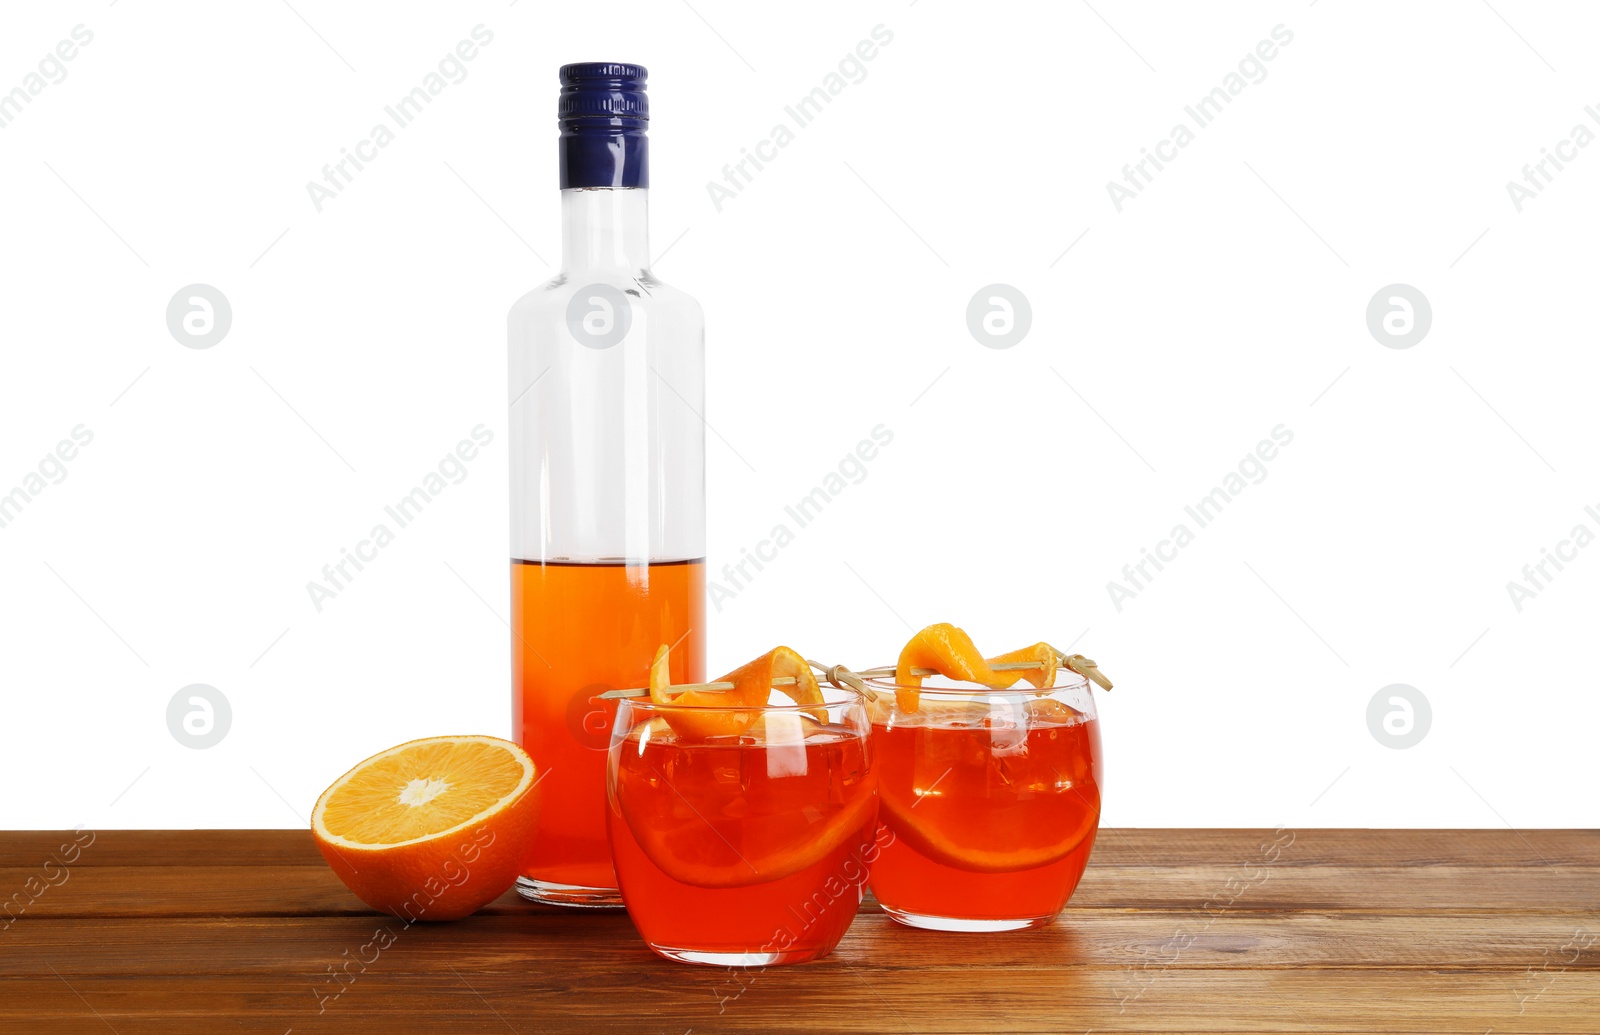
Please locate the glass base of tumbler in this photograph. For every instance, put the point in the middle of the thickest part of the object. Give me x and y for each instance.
(574, 895)
(955, 923)
(741, 960)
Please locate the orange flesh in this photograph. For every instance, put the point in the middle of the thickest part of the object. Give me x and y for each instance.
(425, 790)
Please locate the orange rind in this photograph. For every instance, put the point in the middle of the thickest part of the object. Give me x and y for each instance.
(949, 651)
(703, 714)
(944, 648)
(431, 829)
(1039, 678)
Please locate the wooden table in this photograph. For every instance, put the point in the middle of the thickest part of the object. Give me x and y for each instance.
(1171, 930)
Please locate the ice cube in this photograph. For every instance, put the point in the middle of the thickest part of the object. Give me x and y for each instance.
(786, 744)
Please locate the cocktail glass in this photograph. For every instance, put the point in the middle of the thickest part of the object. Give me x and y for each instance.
(989, 800)
(749, 849)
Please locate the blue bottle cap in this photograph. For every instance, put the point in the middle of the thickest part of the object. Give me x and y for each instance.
(604, 113)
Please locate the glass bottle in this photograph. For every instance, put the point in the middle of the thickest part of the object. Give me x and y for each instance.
(607, 388)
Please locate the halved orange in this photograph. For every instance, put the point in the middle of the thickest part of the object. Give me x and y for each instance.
(431, 829)
(752, 685)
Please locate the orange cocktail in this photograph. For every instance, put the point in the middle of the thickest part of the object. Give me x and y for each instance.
(742, 836)
(990, 800)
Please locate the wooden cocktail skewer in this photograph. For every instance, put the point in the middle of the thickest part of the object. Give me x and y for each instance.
(644, 691)
(1004, 666)
(837, 674)
(1076, 662)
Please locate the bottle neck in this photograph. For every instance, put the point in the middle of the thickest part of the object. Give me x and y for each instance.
(605, 228)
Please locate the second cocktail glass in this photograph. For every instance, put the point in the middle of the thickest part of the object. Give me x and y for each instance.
(747, 849)
(990, 800)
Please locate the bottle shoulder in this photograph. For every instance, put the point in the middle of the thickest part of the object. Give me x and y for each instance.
(643, 289)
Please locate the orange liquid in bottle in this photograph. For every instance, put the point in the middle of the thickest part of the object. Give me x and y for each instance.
(578, 630)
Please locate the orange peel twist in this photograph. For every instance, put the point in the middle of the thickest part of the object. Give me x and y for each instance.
(728, 713)
(948, 649)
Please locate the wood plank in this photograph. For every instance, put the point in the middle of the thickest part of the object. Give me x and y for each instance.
(1171, 931)
(1351, 847)
(1119, 846)
(1143, 941)
(171, 848)
(313, 889)
(836, 995)
(1410, 888)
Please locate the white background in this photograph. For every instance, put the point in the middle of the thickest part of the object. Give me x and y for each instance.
(1226, 299)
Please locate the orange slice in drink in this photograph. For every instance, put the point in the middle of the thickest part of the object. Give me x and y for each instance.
(968, 847)
(728, 713)
(431, 829)
(707, 848)
(735, 811)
